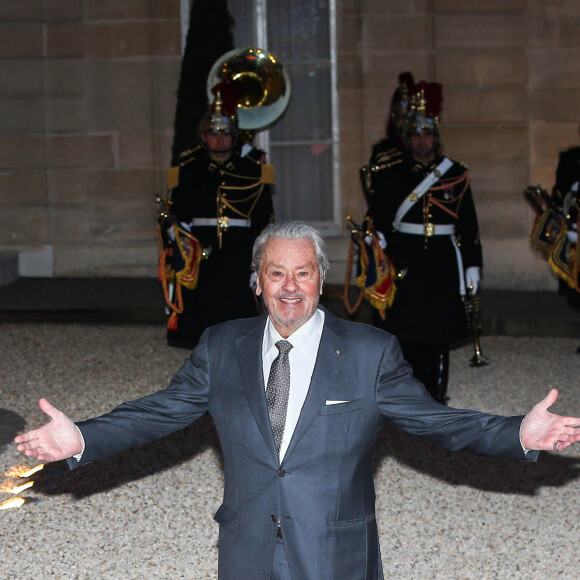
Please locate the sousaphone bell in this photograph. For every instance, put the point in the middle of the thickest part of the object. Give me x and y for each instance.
(262, 83)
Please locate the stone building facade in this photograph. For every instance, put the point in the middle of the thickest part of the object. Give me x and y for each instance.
(87, 95)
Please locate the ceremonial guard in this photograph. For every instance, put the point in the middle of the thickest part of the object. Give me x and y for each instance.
(219, 202)
(555, 230)
(423, 208)
(391, 147)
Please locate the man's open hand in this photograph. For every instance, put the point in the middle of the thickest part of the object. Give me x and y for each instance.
(58, 439)
(545, 431)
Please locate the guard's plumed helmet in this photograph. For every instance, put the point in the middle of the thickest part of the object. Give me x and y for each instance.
(395, 126)
(221, 116)
(401, 100)
(425, 107)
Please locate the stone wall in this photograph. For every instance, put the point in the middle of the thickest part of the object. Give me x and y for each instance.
(87, 94)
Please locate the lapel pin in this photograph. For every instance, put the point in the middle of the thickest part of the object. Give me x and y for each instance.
(337, 351)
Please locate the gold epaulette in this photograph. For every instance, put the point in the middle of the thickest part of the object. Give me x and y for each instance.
(172, 177)
(387, 165)
(188, 155)
(371, 168)
(268, 174)
(389, 154)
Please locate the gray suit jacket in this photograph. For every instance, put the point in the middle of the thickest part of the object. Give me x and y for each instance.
(323, 492)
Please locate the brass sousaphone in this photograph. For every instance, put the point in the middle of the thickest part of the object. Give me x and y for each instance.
(264, 85)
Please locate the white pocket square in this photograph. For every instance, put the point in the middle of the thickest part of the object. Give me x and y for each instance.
(328, 402)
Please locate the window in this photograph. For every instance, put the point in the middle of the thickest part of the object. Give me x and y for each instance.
(303, 143)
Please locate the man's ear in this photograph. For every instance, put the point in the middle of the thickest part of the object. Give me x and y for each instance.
(258, 288)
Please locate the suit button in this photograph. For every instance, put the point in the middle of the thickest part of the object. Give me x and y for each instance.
(282, 472)
(274, 518)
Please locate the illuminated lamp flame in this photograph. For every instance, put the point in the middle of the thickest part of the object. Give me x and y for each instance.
(14, 502)
(19, 488)
(23, 471)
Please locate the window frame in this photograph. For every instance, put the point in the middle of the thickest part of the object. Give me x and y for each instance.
(329, 227)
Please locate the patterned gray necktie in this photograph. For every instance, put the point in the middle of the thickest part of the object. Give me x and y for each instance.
(278, 389)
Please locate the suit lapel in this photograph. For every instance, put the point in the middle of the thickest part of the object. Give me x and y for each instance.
(332, 356)
(249, 349)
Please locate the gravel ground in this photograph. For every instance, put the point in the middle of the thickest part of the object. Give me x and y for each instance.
(148, 513)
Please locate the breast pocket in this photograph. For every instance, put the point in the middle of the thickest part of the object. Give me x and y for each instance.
(343, 407)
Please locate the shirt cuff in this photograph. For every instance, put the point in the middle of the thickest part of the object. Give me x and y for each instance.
(79, 455)
(526, 451)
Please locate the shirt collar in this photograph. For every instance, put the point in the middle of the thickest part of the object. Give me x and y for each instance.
(304, 339)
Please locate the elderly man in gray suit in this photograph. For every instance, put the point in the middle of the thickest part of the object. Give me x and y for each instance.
(298, 397)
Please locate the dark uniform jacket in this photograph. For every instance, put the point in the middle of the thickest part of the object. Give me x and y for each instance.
(383, 154)
(428, 307)
(236, 189)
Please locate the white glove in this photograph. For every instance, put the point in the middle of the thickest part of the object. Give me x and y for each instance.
(472, 278)
(183, 225)
(380, 236)
(170, 233)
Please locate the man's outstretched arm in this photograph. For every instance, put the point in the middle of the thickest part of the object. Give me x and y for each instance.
(58, 439)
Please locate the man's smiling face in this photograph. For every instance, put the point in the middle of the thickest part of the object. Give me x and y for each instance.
(289, 281)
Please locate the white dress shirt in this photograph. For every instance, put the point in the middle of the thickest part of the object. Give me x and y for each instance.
(305, 342)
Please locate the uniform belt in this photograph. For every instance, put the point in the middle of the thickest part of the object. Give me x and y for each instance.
(427, 229)
(231, 222)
